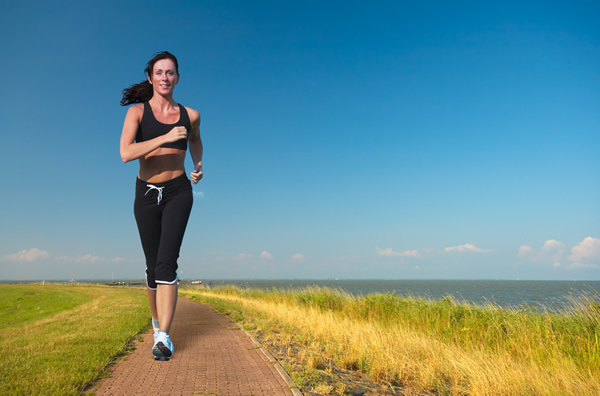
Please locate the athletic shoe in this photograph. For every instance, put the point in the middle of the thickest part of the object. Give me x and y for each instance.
(163, 347)
(170, 344)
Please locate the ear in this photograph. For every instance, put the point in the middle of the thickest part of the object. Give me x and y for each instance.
(149, 79)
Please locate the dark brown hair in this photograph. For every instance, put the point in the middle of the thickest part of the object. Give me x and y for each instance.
(142, 92)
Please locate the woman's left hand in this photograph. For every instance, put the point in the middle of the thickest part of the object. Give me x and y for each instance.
(197, 174)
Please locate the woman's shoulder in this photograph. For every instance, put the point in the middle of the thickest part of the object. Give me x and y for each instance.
(137, 109)
(135, 112)
(193, 114)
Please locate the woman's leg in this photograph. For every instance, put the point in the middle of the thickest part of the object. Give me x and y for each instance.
(148, 219)
(176, 213)
(166, 302)
(152, 302)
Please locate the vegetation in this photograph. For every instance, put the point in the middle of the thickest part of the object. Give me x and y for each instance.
(425, 345)
(57, 339)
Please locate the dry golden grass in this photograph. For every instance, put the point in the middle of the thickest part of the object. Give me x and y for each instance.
(397, 353)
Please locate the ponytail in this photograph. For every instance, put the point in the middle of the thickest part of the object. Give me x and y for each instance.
(143, 92)
(137, 93)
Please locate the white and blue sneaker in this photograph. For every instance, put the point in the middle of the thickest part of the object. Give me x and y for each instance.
(163, 346)
(156, 328)
(155, 335)
(170, 344)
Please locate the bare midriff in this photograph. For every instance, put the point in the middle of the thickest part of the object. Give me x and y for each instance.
(161, 165)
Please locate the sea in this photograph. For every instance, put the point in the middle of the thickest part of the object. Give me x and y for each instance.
(509, 294)
(537, 295)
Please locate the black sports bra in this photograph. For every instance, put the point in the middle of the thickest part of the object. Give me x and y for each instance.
(151, 128)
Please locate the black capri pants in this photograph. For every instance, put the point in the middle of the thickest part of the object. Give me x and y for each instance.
(162, 211)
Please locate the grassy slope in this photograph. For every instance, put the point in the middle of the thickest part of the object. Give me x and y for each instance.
(57, 339)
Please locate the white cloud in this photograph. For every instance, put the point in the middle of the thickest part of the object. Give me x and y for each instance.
(198, 194)
(297, 256)
(116, 259)
(87, 258)
(526, 251)
(586, 254)
(586, 250)
(266, 255)
(551, 246)
(390, 252)
(467, 247)
(551, 252)
(243, 256)
(27, 255)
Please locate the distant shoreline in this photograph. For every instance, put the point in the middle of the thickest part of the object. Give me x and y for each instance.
(549, 295)
(235, 280)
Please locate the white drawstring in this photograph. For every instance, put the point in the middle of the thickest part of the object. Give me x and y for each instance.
(153, 187)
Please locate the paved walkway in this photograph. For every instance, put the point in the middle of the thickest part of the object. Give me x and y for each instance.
(213, 356)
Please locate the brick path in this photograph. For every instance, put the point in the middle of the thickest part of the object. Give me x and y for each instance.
(213, 356)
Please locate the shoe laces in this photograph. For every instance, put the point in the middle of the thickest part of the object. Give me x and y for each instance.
(162, 337)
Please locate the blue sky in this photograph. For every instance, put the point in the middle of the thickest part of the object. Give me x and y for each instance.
(397, 140)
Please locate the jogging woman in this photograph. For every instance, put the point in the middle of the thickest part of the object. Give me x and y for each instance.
(156, 132)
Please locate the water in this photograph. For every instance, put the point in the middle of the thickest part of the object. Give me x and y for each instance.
(544, 295)
(551, 295)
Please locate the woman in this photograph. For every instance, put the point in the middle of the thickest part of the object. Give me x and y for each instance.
(157, 132)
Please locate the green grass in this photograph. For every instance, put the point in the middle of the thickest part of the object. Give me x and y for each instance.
(58, 339)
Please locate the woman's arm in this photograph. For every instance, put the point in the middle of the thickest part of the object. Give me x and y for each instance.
(131, 151)
(196, 148)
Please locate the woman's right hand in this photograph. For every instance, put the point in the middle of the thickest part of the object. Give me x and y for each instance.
(175, 134)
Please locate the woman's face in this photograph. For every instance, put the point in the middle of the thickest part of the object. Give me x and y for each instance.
(164, 77)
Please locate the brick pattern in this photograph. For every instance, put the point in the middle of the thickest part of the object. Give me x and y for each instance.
(212, 357)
